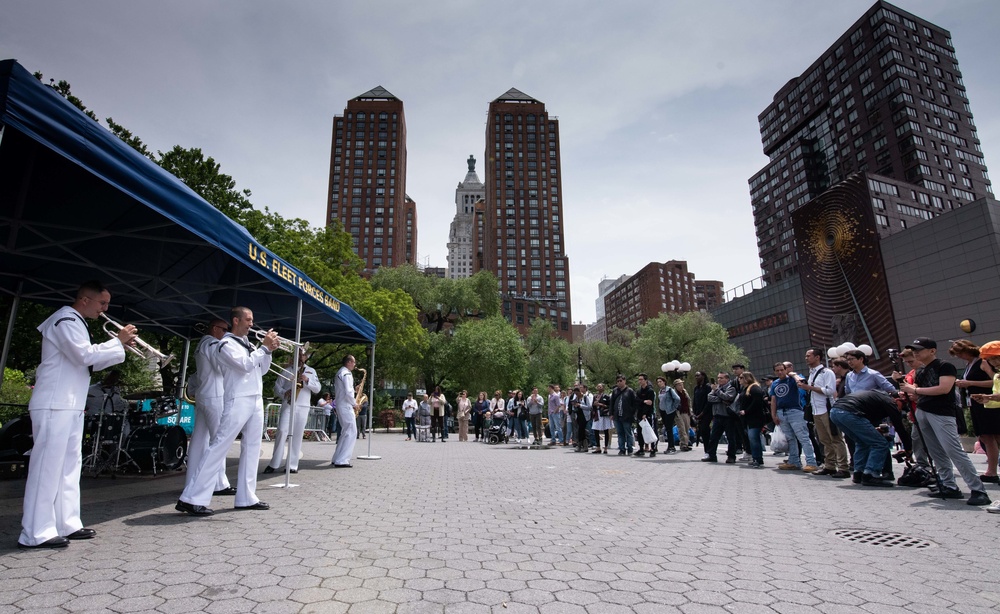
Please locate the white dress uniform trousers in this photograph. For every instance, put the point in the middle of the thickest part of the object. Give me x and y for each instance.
(208, 410)
(242, 412)
(293, 419)
(344, 398)
(52, 491)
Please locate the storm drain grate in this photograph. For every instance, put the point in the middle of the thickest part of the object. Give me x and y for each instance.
(885, 539)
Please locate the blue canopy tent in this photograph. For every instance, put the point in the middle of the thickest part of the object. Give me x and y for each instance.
(77, 203)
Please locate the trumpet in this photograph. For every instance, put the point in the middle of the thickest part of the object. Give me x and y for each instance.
(286, 373)
(144, 351)
(285, 345)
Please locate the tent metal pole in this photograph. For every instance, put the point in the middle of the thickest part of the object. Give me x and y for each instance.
(182, 381)
(371, 405)
(8, 336)
(294, 399)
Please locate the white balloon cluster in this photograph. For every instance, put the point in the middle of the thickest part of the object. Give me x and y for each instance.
(843, 348)
(673, 365)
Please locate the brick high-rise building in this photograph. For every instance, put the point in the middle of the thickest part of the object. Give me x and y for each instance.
(886, 99)
(467, 194)
(522, 220)
(655, 289)
(708, 294)
(368, 180)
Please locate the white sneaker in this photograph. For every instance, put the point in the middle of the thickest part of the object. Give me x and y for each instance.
(745, 458)
(994, 507)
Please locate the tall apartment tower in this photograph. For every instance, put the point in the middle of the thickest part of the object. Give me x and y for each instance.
(886, 99)
(468, 193)
(522, 231)
(368, 180)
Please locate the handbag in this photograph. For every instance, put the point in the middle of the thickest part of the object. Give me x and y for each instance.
(648, 434)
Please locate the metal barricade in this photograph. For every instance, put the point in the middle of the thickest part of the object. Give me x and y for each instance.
(315, 423)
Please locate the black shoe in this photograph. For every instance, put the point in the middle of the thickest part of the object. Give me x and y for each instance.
(730, 460)
(823, 471)
(227, 492)
(86, 534)
(640, 453)
(652, 454)
(840, 475)
(293, 471)
(621, 452)
(947, 493)
(268, 469)
(992, 479)
(870, 480)
(55, 542)
(709, 459)
(978, 497)
(346, 466)
(857, 477)
(193, 510)
(260, 505)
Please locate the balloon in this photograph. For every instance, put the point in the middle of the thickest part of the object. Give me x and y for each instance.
(865, 349)
(833, 353)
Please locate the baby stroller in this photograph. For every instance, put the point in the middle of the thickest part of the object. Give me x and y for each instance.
(498, 428)
(423, 425)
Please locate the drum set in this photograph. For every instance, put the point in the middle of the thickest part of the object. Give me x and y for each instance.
(125, 437)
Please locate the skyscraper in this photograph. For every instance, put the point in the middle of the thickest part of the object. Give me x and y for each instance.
(467, 194)
(368, 180)
(522, 235)
(886, 99)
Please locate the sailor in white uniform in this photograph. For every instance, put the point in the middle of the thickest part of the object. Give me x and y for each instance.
(52, 493)
(208, 406)
(343, 388)
(242, 412)
(294, 419)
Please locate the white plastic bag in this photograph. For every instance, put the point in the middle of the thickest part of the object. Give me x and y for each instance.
(648, 435)
(779, 443)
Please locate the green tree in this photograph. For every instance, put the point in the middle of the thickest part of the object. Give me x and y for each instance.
(483, 355)
(603, 361)
(551, 359)
(691, 337)
(442, 301)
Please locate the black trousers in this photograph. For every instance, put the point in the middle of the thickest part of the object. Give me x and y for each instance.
(723, 424)
(581, 421)
(477, 425)
(639, 440)
(705, 428)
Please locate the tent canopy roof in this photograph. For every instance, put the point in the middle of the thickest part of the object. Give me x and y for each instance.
(77, 203)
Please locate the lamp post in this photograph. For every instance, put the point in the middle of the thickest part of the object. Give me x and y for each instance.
(580, 375)
(675, 369)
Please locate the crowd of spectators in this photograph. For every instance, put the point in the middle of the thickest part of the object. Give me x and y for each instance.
(838, 420)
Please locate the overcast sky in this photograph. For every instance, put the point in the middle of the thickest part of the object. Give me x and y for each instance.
(657, 101)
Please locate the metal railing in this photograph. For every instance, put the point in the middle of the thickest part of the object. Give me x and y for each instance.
(315, 422)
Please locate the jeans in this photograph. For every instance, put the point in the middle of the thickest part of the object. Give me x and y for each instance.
(625, 439)
(411, 428)
(793, 425)
(871, 448)
(477, 425)
(556, 428)
(331, 423)
(756, 444)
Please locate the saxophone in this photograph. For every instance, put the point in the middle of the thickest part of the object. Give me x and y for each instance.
(359, 395)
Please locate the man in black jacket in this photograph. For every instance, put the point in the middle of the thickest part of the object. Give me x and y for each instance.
(858, 415)
(645, 407)
(720, 398)
(623, 411)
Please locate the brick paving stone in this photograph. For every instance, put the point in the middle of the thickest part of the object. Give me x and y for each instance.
(363, 541)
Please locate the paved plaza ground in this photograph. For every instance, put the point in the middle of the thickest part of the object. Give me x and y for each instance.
(469, 528)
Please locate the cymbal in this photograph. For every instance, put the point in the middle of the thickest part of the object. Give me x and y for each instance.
(141, 396)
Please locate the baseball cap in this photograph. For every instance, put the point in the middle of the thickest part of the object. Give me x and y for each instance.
(990, 348)
(922, 343)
